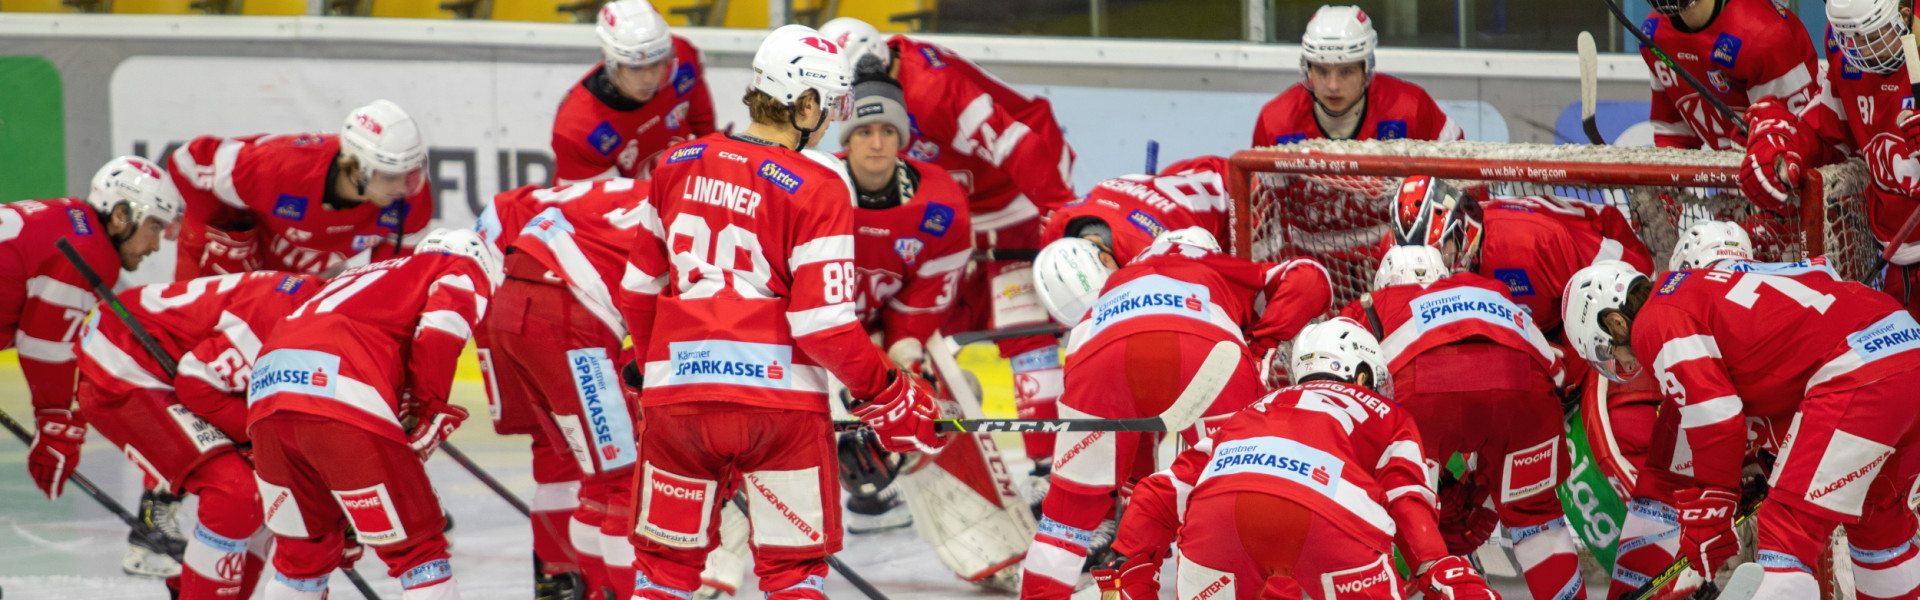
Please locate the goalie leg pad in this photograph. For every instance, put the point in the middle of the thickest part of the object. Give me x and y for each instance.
(965, 506)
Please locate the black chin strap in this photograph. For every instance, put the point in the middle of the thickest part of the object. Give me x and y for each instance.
(805, 133)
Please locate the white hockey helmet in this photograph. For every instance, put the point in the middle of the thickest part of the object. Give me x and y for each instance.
(463, 242)
(1410, 265)
(859, 40)
(1592, 291)
(633, 34)
(1191, 236)
(794, 59)
(138, 184)
(1338, 35)
(1707, 242)
(1338, 347)
(1868, 32)
(382, 138)
(1068, 275)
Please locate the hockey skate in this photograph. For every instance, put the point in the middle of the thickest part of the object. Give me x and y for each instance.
(1034, 488)
(871, 513)
(560, 586)
(160, 512)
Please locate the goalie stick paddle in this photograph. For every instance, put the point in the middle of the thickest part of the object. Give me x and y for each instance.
(1186, 409)
(1647, 42)
(1589, 87)
(1876, 274)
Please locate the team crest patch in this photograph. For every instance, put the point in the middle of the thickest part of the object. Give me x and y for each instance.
(686, 153)
(1672, 283)
(289, 285)
(1906, 103)
(936, 220)
(604, 139)
(1391, 130)
(1650, 25)
(780, 176)
(364, 241)
(78, 217)
(677, 116)
(683, 79)
(923, 150)
(1517, 282)
(1291, 138)
(1726, 50)
(290, 207)
(1719, 82)
(393, 215)
(909, 249)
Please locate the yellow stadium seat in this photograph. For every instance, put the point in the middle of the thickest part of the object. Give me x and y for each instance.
(548, 11)
(882, 12)
(154, 7)
(34, 6)
(273, 7)
(411, 9)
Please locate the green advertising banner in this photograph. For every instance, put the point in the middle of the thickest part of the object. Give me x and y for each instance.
(33, 138)
(1593, 509)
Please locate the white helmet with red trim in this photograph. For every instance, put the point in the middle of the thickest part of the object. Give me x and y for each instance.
(463, 242)
(1338, 347)
(1868, 32)
(139, 185)
(1708, 242)
(1591, 292)
(1338, 35)
(633, 34)
(1068, 276)
(1410, 265)
(384, 140)
(1191, 236)
(794, 59)
(859, 39)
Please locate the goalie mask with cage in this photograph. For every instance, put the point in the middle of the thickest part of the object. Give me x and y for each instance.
(1339, 347)
(1708, 242)
(1430, 212)
(1592, 293)
(1868, 32)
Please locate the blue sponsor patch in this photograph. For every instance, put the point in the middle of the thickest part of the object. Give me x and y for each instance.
(683, 79)
(290, 284)
(290, 207)
(1726, 50)
(1650, 25)
(1278, 457)
(933, 57)
(604, 139)
(1891, 335)
(1833, 45)
(936, 220)
(294, 372)
(1848, 71)
(394, 214)
(685, 153)
(1291, 138)
(729, 363)
(1146, 223)
(603, 406)
(1672, 283)
(82, 224)
(1391, 130)
(780, 176)
(1517, 282)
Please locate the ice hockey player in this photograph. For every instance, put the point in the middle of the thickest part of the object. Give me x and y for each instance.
(1342, 98)
(186, 430)
(1745, 50)
(649, 93)
(908, 277)
(556, 318)
(363, 369)
(1729, 347)
(303, 202)
(1007, 151)
(1124, 214)
(740, 301)
(1860, 111)
(1131, 353)
(130, 203)
(1505, 418)
(1309, 489)
(1725, 245)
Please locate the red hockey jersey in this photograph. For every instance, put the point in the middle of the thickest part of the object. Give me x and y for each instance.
(213, 327)
(742, 286)
(1395, 110)
(1459, 308)
(1345, 453)
(1724, 345)
(581, 232)
(1856, 115)
(43, 299)
(1177, 287)
(1190, 193)
(378, 340)
(595, 138)
(280, 181)
(1002, 146)
(911, 257)
(1750, 50)
(1535, 248)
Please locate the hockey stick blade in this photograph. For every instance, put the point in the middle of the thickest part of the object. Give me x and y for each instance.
(1193, 401)
(1589, 87)
(1709, 95)
(1744, 583)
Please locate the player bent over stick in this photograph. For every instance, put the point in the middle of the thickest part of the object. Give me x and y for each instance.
(1312, 486)
(741, 303)
(1132, 351)
(182, 429)
(1839, 358)
(347, 401)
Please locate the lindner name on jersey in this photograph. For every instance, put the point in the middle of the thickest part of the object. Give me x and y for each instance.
(722, 194)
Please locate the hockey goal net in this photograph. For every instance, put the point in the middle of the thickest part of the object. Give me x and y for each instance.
(1331, 200)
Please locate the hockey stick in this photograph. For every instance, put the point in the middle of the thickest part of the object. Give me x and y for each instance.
(1647, 42)
(1207, 383)
(93, 491)
(481, 474)
(1153, 157)
(1589, 87)
(1007, 254)
(962, 339)
(865, 587)
(1876, 274)
(1681, 564)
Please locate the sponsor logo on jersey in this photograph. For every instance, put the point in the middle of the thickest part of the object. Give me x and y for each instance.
(909, 249)
(936, 220)
(923, 150)
(686, 153)
(1671, 283)
(803, 514)
(677, 116)
(290, 207)
(1891, 335)
(81, 224)
(874, 231)
(365, 241)
(1291, 138)
(1530, 471)
(1719, 81)
(1726, 50)
(290, 284)
(1148, 296)
(1391, 130)
(729, 363)
(1517, 282)
(394, 214)
(933, 57)
(294, 371)
(204, 435)
(603, 407)
(684, 79)
(780, 176)
(1849, 72)
(1146, 223)
(733, 157)
(371, 511)
(604, 139)
(675, 510)
(1458, 304)
(1278, 457)
(427, 574)
(1357, 585)
(706, 190)
(1650, 25)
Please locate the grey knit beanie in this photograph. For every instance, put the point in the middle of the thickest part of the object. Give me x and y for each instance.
(878, 100)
